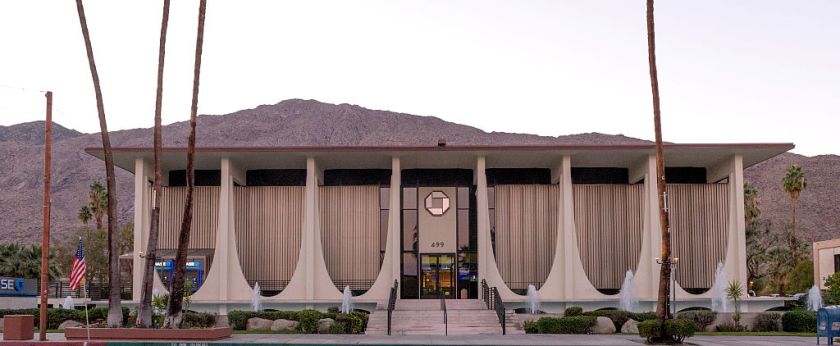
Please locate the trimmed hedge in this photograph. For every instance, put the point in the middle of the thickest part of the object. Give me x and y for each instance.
(702, 319)
(352, 323)
(573, 311)
(562, 325)
(194, 319)
(674, 330)
(56, 316)
(767, 322)
(799, 321)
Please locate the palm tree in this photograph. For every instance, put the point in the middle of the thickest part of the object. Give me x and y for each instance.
(751, 207)
(794, 183)
(97, 205)
(662, 306)
(114, 303)
(174, 312)
(144, 316)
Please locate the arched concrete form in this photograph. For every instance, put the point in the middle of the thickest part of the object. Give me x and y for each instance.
(225, 280)
(525, 233)
(268, 229)
(350, 232)
(698, 215)
(487, 268)
(390, 269)
(609, 220)
(311, 281)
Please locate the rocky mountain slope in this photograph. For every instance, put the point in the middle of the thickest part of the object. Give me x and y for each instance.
(307, 122)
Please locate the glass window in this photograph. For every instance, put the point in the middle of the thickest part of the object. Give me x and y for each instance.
(463, 229)
(463, 198)
(383, 229)
(409, 198)
(384, 197)
(409, 284)
(409, 230)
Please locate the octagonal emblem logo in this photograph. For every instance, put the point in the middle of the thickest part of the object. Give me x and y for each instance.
(437, 203)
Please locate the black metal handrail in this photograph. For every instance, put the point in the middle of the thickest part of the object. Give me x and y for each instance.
(445, 316)
(392, 302)
(499, 306)
(485, 293)
(95, 290)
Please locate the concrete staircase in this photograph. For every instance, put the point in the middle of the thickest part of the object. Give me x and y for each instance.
(425, 317)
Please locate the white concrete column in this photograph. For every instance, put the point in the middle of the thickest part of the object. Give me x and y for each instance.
(390, 269)
(646, 279)
(225, 280)
(554, 287)
(143, 173)
(487, 268)
(576, 283)
(311, 281)
(736, 249)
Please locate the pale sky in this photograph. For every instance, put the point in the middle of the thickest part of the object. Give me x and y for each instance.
(730, 71)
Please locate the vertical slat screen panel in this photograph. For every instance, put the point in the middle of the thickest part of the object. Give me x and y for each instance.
(608, 220)
(699, 215)
(269, 220)
(350, 234)
(205, 217)
(526, 233)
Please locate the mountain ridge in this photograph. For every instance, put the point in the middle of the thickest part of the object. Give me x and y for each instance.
(312, 123)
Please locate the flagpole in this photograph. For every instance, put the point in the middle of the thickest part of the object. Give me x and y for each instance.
(87, 318)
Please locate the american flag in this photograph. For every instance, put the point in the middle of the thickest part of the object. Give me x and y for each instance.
(77, 274)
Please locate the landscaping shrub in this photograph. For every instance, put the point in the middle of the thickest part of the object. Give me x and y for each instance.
(352, 323)
(799, 321)
(730, 327)
(573, 311)
(530, 327)
(56, 316)
(701, 318)
(565, 325)
(198, 320)
(308, 321)
(643, 316)
(673, 331)
(678, 330)
(767, 322)
(336, 329)
(239, 319)
(650, 330)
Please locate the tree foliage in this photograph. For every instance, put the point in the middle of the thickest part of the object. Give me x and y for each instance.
(25, 261)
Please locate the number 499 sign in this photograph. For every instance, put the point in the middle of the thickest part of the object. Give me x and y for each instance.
(437, 244)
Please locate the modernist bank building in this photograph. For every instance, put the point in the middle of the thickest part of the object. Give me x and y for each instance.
(305, 222)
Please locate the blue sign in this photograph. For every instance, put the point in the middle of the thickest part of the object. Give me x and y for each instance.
(18, 287)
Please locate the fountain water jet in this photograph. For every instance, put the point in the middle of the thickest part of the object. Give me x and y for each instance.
(627, 299)
(814, 299)
(256, 298)
(346, 303)
(68, 303)
(533, 300)
(719, 300)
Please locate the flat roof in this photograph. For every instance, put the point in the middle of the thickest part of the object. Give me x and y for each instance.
(452, 156)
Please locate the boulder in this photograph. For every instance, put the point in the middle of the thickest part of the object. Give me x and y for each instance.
(630, 327)
(282, 324)
(324, 325)
(603, 325)
(256, 323)
(70, 324)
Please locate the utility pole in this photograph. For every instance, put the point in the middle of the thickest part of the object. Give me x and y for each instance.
(45, 242)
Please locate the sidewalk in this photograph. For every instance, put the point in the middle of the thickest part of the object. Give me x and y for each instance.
(528, 339)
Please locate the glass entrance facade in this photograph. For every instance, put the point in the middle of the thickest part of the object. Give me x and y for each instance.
(439, 257)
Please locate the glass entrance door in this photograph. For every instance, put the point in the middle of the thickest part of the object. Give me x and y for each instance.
(437, 276)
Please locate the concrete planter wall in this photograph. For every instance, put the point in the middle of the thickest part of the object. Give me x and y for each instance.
(216, 333)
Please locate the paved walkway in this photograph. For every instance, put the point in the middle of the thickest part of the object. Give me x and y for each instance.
(528, 339)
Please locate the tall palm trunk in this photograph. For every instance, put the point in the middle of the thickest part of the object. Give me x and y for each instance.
(114, 303)
(663, 302)
(176, 296)
(144, 316)
(793, 246)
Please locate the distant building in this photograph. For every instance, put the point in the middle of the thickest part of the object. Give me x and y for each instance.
(304, 222)
(826, 260)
